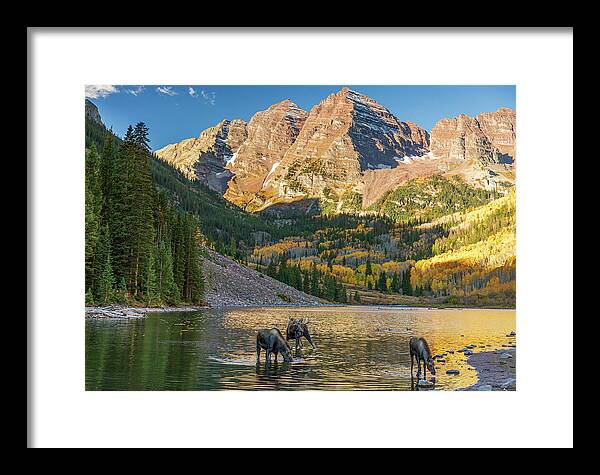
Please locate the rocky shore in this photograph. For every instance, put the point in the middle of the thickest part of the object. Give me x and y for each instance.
(496, 370)
(228, 284)
(124, 312)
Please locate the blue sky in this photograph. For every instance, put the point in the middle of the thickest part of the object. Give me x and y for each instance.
(177, 112)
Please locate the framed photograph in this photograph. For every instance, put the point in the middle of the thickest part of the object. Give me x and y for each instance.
(327, 241)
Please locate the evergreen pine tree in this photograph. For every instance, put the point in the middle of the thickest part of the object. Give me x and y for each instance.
(122, 293)
(89, 298)
(368, 269)
(194, 282)
(271, 269)
(93, 205)
(120, 219)
(306, 282)
(141, 231)
(179, 253)
(406, 286)
(314, 282)
(149, 284)
(167, 290)
(105, 280)
(107, 163)
(382, 282)
(395, 286)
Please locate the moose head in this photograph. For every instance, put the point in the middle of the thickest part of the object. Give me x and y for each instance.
(430, 365)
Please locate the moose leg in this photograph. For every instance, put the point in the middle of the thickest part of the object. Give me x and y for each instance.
(418, 367)
(276, 354)
(412, 364)
(424, 371)
(268, 356)
(257, 353)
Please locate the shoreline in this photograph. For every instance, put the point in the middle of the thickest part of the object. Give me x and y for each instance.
(128, 312)
(496, 370)
(117, 311)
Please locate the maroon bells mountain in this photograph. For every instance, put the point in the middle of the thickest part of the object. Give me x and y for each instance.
(347, 147)
(270, 134)
(480, 149)
(204, 158)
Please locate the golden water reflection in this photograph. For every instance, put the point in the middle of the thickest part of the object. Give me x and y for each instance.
(358, 348)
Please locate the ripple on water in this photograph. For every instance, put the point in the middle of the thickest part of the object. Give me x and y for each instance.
(358, 348)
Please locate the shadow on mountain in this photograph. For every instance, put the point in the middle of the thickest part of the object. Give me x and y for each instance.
(505, 158)
(304, 207)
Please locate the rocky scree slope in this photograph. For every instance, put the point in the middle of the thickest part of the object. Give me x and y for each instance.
(231, 284)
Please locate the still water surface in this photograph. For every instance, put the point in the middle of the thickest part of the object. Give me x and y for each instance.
(358, 348)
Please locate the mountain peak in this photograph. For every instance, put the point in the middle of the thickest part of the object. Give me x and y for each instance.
(481, 147)
(347, 145)
(289, 107)
(286, 103)
(344, 135)
(91, 111)
(347, 93)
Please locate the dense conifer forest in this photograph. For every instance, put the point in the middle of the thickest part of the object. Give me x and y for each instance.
(140, 248)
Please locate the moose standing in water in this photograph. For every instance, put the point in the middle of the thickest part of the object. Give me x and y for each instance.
(297, 329)
(272, 341)
(419, 349)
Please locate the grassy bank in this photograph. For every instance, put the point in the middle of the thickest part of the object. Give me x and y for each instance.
(373, 297)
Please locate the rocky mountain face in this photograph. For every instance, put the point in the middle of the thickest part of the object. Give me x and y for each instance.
(270, 134)
(343, 136)
(500, 128)
(481, 149)
(489, 136)
(205, 158)
(347, 149)
(91, 111)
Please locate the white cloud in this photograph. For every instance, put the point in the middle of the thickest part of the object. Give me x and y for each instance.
(167, 90)
(135, 91)
(99, 91)
(209, 97)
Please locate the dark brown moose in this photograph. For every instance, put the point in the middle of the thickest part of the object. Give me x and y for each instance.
(297, 329)
(272, 342)
(419, 349)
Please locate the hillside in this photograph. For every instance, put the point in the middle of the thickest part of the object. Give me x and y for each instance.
(351, 250)
(231, 284)
(476, 261)
(425, 199)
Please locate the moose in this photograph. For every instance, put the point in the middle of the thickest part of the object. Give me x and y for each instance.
(297, 329)
(272, 342)
(419, 349)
